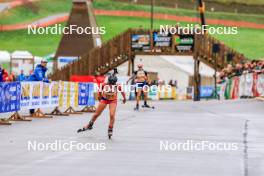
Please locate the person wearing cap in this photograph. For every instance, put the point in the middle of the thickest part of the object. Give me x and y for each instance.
(141, 80)
(39, 74)
(107, 96)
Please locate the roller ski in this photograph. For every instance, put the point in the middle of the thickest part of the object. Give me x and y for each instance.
(89, 127)
(110, 132)
(147, 106)
(136, 108)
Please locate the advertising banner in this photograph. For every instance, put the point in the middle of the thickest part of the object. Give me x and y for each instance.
(83, 94)
(221, 90)
(254, 86)
(206, 91)
(39, 95)
(91, 98)
(31, 95)
(260, 85)
(235, 88)
(184, 43)
(68, 94)
(167, 93)
(242, 85)
(10, 97)
(228, 89)
(162, 39)
(140, 42)
(153, 93)
(249, 84)
(64, 60)
(54, 90)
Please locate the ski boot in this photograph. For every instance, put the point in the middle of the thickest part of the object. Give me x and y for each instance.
(110, 132)
(136, 108)
(147, 106)
(89, 127)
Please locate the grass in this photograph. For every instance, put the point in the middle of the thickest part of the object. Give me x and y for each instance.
(109, 5)
(248, 2)
(25, 14)
(51, 7)
(248, 41)
(39, 45)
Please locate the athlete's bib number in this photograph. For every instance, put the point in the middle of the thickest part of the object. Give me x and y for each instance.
(141, 74)
(110, 96)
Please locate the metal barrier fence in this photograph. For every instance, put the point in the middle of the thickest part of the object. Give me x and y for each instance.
(19, 96)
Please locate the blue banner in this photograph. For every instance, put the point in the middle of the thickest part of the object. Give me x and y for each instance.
(86, 94)
(91, 99)
(83, 94)
(206, 91)
(10, 97)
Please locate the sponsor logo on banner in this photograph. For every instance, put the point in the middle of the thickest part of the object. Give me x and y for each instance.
(69, 94)
(140, 42)
(91, 99)
(32, 95)
(162, 39)
(83, 94)
(39, 95)
(10, 97)
(184, 43)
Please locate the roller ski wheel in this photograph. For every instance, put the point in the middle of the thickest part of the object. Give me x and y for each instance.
(147, 106)
(90, 127)
(136, 108)
(110, 133)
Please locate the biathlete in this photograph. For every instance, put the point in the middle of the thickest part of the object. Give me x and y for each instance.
(107, 96)
(141, 79)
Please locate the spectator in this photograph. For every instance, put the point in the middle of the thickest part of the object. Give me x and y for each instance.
(21, 77)
(39, 74)
(254, 66)
(11, 77)
(5, 75)
(238, 70)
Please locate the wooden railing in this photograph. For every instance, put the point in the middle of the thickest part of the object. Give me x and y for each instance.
(116, 51)
(99, 60)
(204, 51)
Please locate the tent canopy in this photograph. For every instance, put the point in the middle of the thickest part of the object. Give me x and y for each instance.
(22, 55)
(4, 56)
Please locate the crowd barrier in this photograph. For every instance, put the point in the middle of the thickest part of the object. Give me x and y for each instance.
(19, 96)
(244, 86)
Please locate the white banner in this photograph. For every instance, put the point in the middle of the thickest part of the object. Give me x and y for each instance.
(68, 95)
(39, 95)
(249, 84)
(242, 85)
(221, 91)
(260, 84)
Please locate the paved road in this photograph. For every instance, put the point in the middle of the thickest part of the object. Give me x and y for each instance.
(135, 147)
